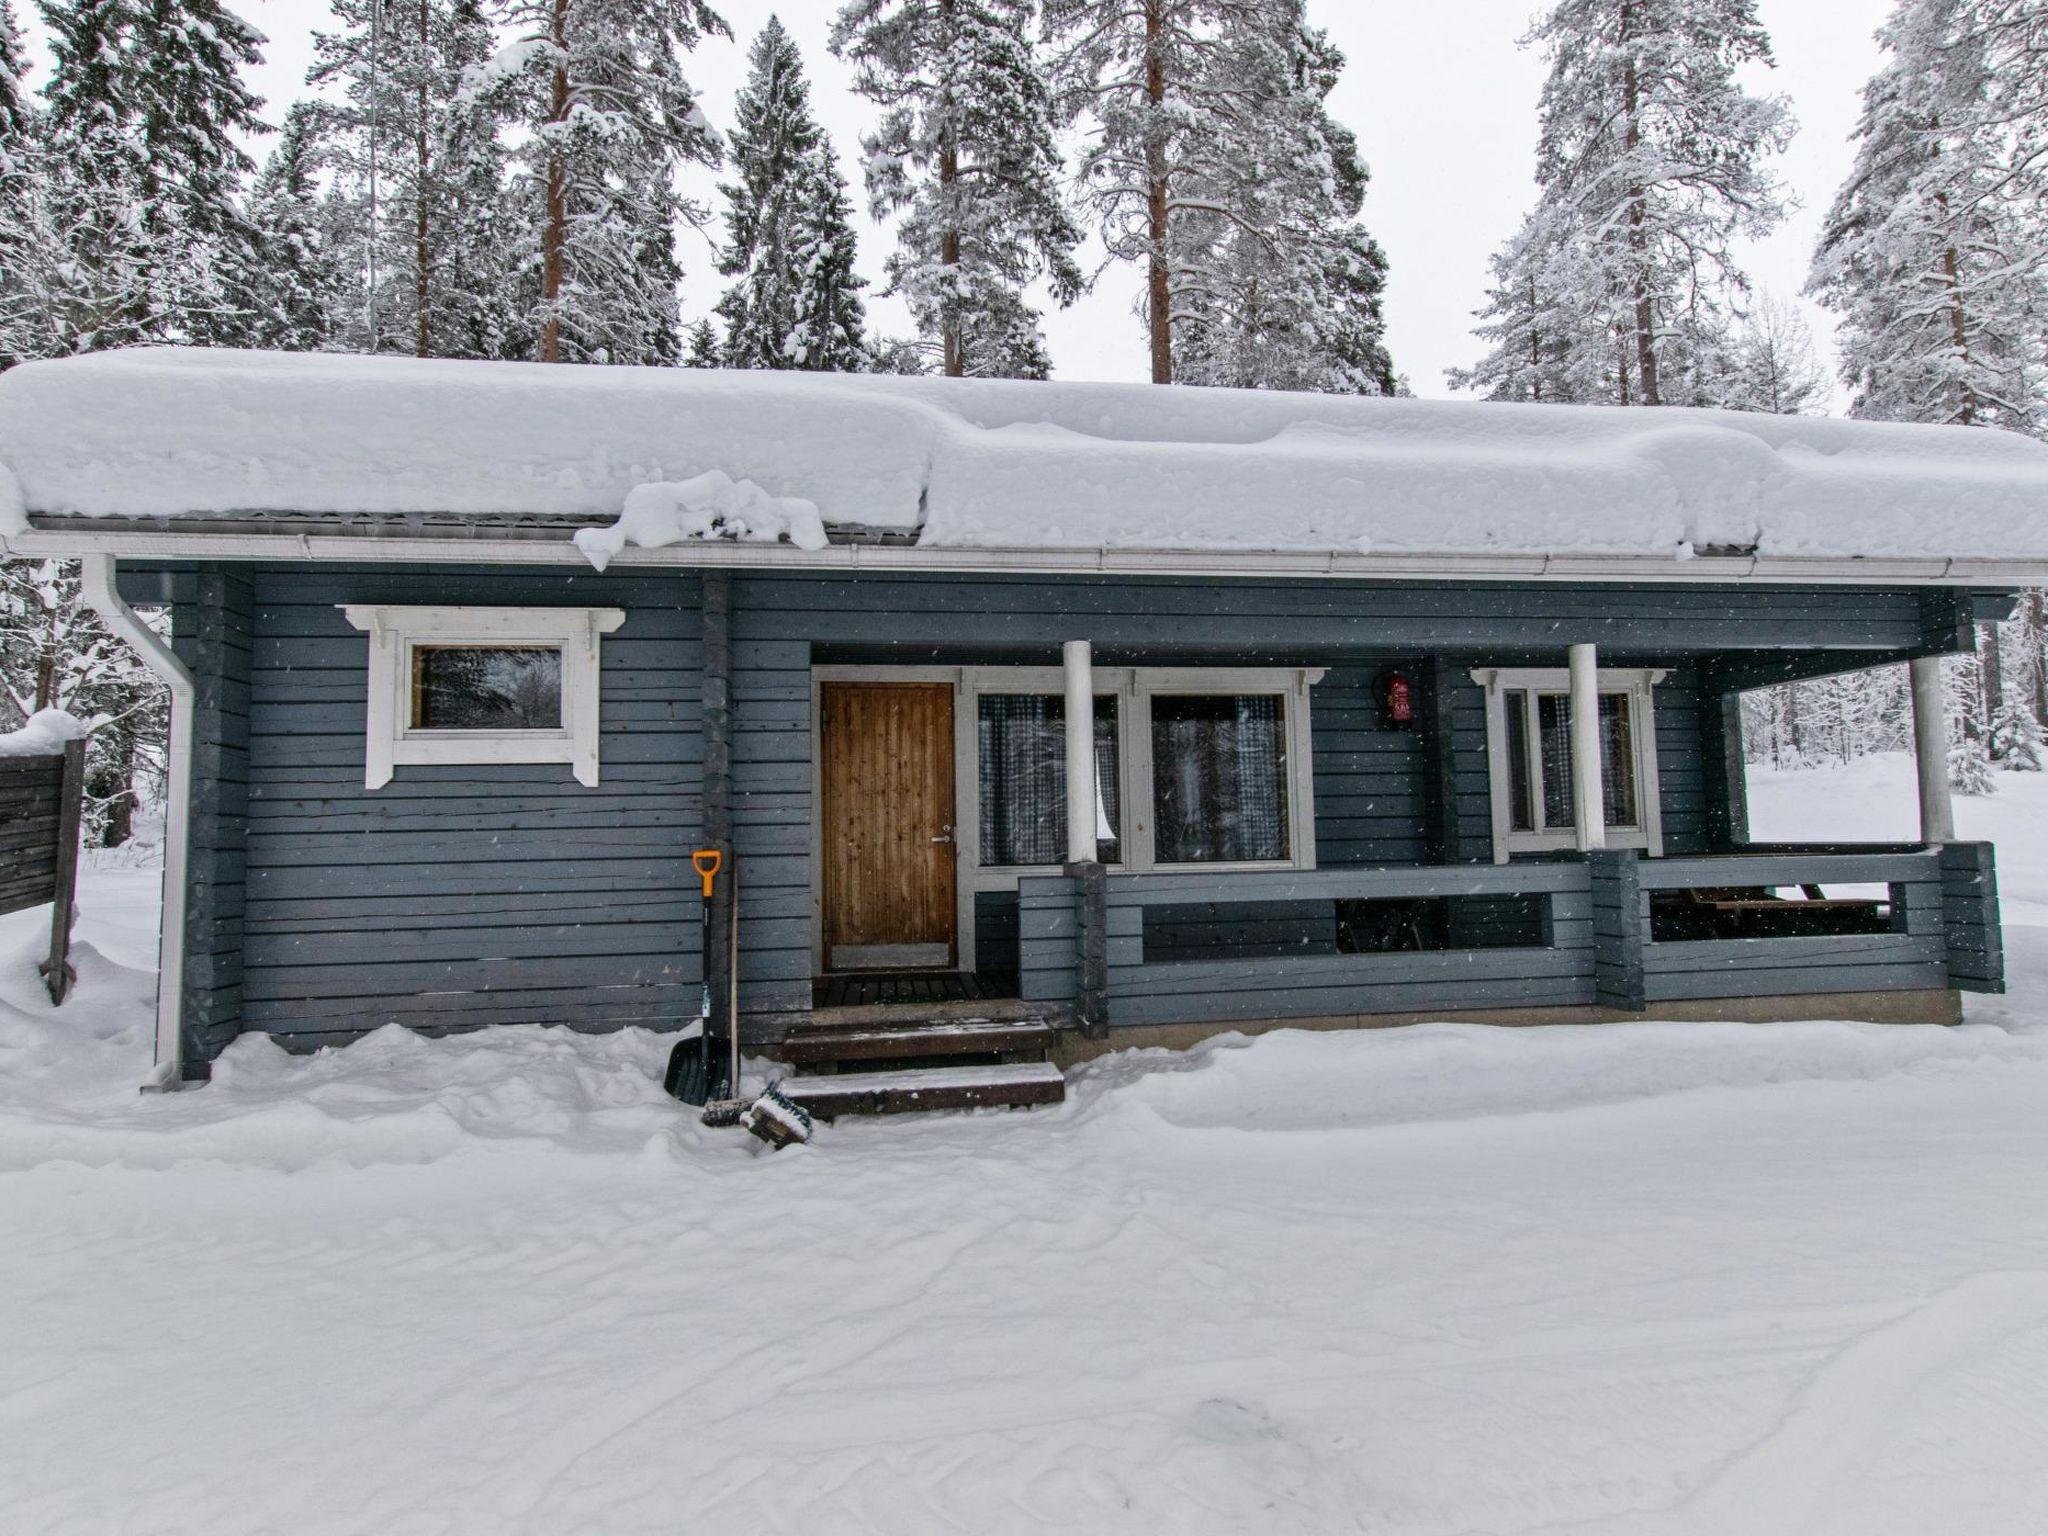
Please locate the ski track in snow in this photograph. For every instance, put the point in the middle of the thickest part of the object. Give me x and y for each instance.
(1662, 1280)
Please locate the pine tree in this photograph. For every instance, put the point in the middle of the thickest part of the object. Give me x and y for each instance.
(1276, 284)
(1650, 162)
(290, 294)
(790, 242)
(598, 85)
(1935, 253)
(964, 155)
(421, 218)
(1771, 364)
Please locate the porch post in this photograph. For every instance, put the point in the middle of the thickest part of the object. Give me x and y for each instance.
(1588, 794)
(715, 702)
(1930, 750)
(1083, 854)
(1079, 656)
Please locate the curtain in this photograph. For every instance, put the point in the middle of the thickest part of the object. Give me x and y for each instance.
(1219, 778)
(1022, 768)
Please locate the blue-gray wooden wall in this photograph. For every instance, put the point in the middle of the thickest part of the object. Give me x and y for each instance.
(460, 896)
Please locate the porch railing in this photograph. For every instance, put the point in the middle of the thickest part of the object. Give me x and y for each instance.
(1210, 948)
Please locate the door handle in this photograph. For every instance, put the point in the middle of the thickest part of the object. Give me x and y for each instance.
(945, 836)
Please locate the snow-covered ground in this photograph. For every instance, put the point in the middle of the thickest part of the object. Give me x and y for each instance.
(1651, 1279)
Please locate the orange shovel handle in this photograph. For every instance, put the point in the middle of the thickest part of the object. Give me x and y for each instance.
(707, 862)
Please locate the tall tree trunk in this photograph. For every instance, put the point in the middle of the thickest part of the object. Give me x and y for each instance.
(1535, 347)
(1158, 286)
(1638, 233)
(1991, 672)
(2037, 623)
(1958, 316)
(949, 242)
(1792, 716)
(554, 237)
(422, 256)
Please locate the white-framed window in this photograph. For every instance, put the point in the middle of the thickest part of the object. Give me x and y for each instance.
(1529, 759)
(482, 685)
(1195, 767)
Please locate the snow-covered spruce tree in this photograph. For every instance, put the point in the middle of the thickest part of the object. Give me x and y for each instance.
(964, 158)
(789, 239)
(705, 349)
(2016, 739)
(289, 295)
(87, 273)
(1934, 255)
(1544, 346)
(20, 167)
(191, 109)
(1276, 285)
(1651, 160)
(420, 217)
(598, 86)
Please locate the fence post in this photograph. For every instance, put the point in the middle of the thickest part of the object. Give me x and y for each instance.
(1618, 923)
(57, 972)
(1969, 913)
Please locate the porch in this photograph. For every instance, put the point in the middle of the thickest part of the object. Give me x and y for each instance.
(1587, 936)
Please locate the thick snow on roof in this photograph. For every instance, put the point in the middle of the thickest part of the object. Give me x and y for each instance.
(1006, 464)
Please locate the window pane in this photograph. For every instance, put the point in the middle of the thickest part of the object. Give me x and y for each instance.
(1521, 817)
(1554, 727)
(1023, 771)
(486, 688)
(1219, 777)
(1618, 761)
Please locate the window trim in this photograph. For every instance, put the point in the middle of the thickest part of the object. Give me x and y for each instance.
(390, 740)
(1134, 689)
(1634, 684)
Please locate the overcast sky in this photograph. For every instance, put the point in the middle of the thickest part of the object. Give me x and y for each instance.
(1442, 100)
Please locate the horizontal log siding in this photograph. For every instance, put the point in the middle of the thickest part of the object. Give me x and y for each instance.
(1047, 927)
(213, 633)
(1976, 942)
(459, 896)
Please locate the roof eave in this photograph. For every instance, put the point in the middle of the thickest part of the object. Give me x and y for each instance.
(71, 537)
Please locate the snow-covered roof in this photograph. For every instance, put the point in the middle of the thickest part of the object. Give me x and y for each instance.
(971, 464)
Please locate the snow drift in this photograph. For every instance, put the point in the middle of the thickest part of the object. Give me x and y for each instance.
(1004, 464)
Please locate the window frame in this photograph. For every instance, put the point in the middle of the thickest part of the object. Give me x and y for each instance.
(1134, 688)
(1634, 685)
(391, 740)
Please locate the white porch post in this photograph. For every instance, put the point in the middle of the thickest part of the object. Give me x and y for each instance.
(1930, 751)
(1080, 666)
(1588, 794)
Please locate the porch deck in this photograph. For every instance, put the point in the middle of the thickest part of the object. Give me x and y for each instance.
(1568, 933)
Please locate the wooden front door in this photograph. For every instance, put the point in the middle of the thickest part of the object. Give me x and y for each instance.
(886, 781)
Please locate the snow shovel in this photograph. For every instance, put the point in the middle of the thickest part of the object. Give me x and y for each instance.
(690, 1064)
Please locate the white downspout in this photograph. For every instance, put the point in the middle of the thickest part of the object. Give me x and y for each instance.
(1930, 750)
(98, 572)
(1081, 816)
(1588, 793)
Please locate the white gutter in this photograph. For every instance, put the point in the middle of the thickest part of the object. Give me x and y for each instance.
(99, 573)
(898, 559)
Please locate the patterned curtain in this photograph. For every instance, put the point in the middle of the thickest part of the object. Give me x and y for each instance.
(1219, 778)
(1023, 775)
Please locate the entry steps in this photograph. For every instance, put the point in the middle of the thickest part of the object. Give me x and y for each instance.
(897, 1060)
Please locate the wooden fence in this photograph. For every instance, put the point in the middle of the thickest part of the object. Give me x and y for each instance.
(40, 801)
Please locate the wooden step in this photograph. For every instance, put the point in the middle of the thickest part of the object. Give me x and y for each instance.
(927, 1088)
(951, 1037)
